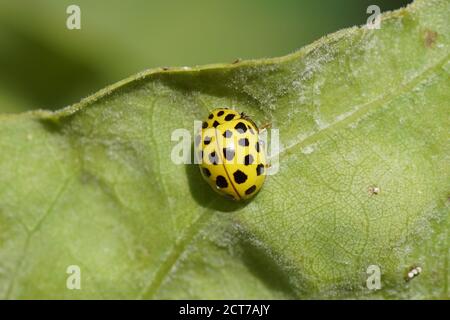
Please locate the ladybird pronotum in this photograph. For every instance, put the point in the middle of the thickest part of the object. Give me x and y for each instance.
(232, 158)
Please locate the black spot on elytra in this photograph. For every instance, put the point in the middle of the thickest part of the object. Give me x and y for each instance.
(221, 182)
(250, 190)
(220, 113)
(227, 134)
(207, 140)
(248, 159)
(228, 153)
(239, 177)
(259, 169)
(210, 116)
(215, 124)
(244, 142)
(206, 172)
(240, 127)
(198, 139)
(213, 158)
(229, 117)
(257, 147)
(204, 125)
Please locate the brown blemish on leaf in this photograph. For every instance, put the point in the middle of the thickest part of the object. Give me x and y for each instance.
(430, 38)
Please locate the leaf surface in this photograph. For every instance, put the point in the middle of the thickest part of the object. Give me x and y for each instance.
(363, 178)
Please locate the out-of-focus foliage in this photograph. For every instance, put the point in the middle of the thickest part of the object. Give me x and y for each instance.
(44, 65)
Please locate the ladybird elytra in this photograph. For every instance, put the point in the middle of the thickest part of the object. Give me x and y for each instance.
(232, 158)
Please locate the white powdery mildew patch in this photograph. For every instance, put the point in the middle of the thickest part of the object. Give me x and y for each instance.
(446, 67)
(221, 230)
(316, 60)
(298, 139)
(269, 87)
(345, 115)
(317, 88)
(309, 70)
(321, 124)
(308, 149)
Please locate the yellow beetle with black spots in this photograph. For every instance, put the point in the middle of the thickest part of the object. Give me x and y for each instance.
(231, 156)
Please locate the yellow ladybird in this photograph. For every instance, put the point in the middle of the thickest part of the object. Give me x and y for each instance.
(232, 158)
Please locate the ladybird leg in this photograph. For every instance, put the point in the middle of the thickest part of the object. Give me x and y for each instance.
(265, 126)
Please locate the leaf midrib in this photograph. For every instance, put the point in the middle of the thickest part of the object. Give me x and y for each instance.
(177, 250)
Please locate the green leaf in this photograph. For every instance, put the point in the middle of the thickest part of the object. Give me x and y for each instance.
(363, 178)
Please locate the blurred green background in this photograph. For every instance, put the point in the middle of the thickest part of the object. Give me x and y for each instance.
(45, 65)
